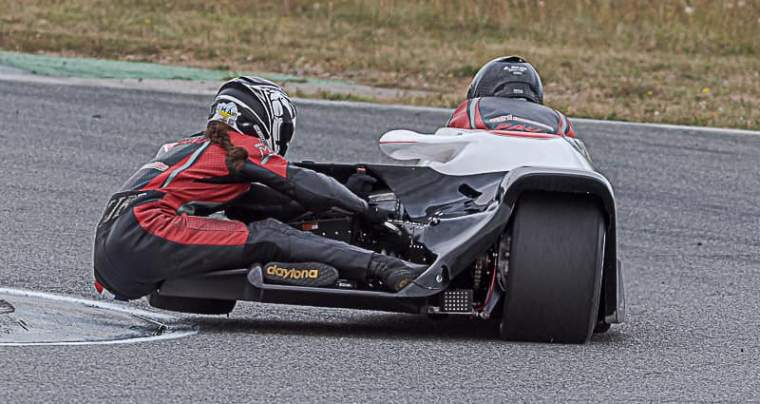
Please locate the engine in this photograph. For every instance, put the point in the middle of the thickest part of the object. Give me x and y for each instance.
(399, 237)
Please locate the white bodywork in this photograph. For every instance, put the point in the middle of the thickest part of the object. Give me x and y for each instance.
(455, 151)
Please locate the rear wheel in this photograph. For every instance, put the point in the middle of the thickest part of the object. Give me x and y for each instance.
(554, 276)
(191, 305)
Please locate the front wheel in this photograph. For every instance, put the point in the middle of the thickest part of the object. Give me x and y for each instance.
(554, 276)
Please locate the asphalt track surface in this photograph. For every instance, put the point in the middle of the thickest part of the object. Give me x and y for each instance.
(689, 223)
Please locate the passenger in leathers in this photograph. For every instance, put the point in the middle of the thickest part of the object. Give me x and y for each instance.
(154, 228)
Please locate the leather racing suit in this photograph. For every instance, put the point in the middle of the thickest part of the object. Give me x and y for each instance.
(149, 233)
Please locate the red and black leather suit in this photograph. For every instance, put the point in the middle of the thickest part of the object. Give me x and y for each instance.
(510, 115)
(149, 233)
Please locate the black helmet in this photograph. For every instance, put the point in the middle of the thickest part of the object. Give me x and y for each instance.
(256, 107)
(510, 76)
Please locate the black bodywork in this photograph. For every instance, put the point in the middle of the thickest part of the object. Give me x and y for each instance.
(448, 222)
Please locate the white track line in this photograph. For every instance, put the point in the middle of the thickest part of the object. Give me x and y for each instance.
(122, 308)
(369, 105)
(192, 88)
(719, 131)
(412, 108)
(172, 335)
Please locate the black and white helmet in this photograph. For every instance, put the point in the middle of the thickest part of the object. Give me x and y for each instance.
(257, 107)
(511, 77)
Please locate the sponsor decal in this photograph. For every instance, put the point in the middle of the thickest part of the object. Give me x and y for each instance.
(516, 70)
(501, 118)
(226, 112)
(264, 152)
(291, 273)
(156, 165)
(508, 122)
(517, 127)
(117, 205)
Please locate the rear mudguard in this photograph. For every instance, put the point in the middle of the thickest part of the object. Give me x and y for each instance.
(527, 179)
(464, 217)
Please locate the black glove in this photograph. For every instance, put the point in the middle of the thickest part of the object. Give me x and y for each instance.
(376, 215)
(361, 184)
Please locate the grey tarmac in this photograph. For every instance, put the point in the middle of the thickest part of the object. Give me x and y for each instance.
(689, 239)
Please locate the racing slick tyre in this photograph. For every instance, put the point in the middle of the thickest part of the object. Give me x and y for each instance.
(191, 305)
(554, 275)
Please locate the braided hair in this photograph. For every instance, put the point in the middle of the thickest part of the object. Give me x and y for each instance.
(218, 133)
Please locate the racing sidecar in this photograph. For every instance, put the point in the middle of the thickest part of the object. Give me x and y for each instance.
(514, 226)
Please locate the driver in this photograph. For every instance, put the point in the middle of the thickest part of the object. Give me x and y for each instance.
(153, 228)
(506, 95)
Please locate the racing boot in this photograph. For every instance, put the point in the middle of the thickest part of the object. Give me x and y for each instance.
(394, 273)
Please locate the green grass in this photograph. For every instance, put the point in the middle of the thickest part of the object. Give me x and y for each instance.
(333, 96)
(677, 61)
